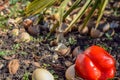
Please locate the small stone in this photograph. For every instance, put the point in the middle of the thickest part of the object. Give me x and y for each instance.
(1, 65)
(96, 33)
(55, 57)
(70, 73)
(25, 37)
(76, 51)
(106, 27)
(8, 78)
(111, 32)
(84, 30)
(11, 22)
(33, 30)
(68, 63)
(27, 23)
(62, 49)
(1, 42)
(15, 32)
(53, 43)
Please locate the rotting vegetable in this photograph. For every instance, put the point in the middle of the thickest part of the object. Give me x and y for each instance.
(95, 64)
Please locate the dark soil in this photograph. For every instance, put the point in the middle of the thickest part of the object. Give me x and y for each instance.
(39, 53)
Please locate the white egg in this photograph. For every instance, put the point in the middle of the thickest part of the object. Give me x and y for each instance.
(42, 74)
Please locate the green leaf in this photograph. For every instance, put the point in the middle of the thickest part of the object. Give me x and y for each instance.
(79, 15)
(62, 10)
(38, 6)
(90, 14)
(75, 5)
(101, 10)
(2, 53)
(13, 2)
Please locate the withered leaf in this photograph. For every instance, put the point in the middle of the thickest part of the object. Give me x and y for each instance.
(13, 66)
(36, 64)
(26, 62)
(9, 57)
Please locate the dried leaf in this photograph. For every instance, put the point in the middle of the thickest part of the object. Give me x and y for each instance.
(3, 4)
(36, 58)
(13, 66)
(58, 67)
(9, 57)
(36, 64)
(26, 62)
(68, 63)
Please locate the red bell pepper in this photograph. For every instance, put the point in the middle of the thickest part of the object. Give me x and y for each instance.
(95, 64)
